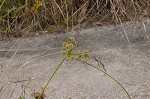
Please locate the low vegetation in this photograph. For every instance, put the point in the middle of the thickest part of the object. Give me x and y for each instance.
(17, 16)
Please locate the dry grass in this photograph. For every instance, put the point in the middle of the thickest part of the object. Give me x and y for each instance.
(62, 15)
(18, 17)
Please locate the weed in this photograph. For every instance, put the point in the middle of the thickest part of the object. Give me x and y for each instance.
(78, 56)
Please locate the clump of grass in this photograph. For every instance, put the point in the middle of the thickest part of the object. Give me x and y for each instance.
(16, 15)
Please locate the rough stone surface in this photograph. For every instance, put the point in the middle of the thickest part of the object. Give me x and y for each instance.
(26, 64)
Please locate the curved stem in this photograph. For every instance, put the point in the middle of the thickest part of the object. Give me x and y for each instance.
(51, 78)
(107, 75)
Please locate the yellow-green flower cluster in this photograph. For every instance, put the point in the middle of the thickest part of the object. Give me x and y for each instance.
(79, 54)
(69, 47)
(71, 39)
(36, 5)
(85, 54)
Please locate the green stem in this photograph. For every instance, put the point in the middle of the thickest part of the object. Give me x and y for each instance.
(51, 78)
(107, 75)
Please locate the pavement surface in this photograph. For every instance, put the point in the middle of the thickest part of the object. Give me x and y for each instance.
(26, 64)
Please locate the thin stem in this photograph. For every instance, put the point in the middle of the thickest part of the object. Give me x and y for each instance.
(51, 78)
(107, 75)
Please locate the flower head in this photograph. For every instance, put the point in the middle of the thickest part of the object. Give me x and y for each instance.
(71, 39)
(85, 53)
